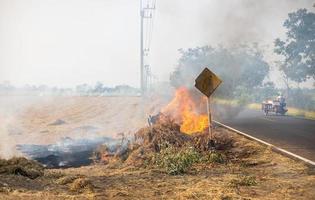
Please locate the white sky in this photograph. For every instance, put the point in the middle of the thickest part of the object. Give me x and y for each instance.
(70, 42)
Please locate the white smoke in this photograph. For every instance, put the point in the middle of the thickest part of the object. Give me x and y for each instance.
(7, 142)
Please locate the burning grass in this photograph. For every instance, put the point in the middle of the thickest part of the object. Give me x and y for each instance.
(165, 147)
(184, 110)
(164, 133)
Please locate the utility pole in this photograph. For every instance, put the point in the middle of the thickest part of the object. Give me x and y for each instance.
(147, 8)
(141, 50)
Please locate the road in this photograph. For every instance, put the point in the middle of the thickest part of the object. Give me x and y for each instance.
(293, 134)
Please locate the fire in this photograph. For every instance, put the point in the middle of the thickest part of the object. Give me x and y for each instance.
(183, 109)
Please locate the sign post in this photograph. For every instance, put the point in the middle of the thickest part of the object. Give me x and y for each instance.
(207, 82)
(209, 118)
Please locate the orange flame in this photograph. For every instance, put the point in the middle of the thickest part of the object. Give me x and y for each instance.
(183, 109)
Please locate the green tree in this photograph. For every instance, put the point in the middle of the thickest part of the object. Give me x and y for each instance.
(298, 48)
(241, 68)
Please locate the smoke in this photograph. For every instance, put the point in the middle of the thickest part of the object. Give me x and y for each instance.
(9, 126)
(14, 111)
(219, 22)
(47, 120)
(89, 37)
(239, 21)
(222, 23)
(7, 143)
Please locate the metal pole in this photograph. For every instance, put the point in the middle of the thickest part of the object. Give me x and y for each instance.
(209, 118)
(141, 49)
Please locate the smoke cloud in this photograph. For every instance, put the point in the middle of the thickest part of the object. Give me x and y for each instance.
(45, 42)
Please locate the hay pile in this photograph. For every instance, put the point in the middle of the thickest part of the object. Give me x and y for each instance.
(21, 166)
(162, 146)
(152, 138)
(167, 132)
(150, 141)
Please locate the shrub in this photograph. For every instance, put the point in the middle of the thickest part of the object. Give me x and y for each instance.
(177, 161)
(215, 157)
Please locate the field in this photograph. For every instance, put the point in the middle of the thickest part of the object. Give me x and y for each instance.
(45, 120)
(255, 173)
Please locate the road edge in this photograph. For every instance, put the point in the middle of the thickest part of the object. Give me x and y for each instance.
(273, 147)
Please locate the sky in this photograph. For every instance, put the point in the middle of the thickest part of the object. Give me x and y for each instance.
(69, 42)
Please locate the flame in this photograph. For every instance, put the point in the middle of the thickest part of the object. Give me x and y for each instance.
(183, 109)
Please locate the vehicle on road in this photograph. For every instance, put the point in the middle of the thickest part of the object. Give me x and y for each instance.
(277, 106)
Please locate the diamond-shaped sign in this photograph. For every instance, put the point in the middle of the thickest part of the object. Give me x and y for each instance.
(207, 82)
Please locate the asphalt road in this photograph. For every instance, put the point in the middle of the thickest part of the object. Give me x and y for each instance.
(293, 134)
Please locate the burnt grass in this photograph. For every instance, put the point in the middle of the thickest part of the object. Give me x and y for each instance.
(163, 163)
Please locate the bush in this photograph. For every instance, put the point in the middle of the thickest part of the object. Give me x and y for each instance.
(177, 161)
(215, 157)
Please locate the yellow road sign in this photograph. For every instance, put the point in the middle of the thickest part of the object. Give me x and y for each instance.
(207, 82)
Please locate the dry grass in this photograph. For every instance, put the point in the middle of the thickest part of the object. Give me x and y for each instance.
(251, 171)
(81, 184)
(275, 176)
(243, 180)
(109, 116)
(21, 166)
(66, 180)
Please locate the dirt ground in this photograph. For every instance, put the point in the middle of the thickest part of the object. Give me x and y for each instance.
(262, 174)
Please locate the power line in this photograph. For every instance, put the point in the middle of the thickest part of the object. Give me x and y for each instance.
(147, 8)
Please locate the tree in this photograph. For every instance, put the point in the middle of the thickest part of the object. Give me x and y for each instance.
(241, 68)
(298, 48)
(266, 91)
(99, 87)
(83, 89)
